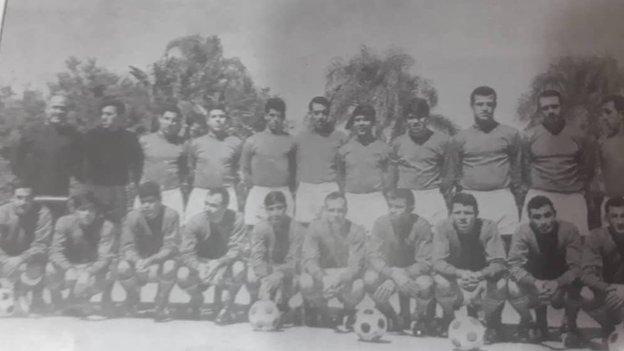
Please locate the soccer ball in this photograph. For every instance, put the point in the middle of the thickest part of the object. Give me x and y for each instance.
(264, 315)
(370, 324)
(466, 333)
(7, 302)
(616, 339)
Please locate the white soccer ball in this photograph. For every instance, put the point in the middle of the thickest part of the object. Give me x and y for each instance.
(264, 315)
(616, 339)
(370, 324)
(466, 333)
(7, 302)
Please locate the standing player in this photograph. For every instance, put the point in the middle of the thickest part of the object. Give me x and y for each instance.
(25, 235)
(48, 155)
(422, 162)
(603, 269)
(469, 262)
(333, 261)
(164, 162)
(486, 161)
(364, 168)
(611, 157)
(316, 160)
(399, 255)
(268, 162)
(149, 242)
(559, 163)
(212, 245)
(113, 159)
(81, 253)
(213, 160)
(545, 260)
(275, 253)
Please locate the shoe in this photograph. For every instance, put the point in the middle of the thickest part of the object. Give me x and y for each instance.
(523, 333)
(420, 328)
(225, 317)
(162, 314)
(492, 336)
(572, 339)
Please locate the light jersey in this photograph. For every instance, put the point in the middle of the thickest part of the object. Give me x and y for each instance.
(214, 162)
(316, 156)
(266, 158)
(554, 161)
(364, 165)
(426, 161)
(164, 160)
(612, 165)
(484, 160)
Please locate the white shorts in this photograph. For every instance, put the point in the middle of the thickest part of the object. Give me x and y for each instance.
(310, 200)
(254, 206)
(498, 206)
(364, 209)
(171, 198)
(570, 208)
(196, 200)
(430, 205)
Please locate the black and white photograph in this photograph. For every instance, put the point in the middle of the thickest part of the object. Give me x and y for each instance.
(246, 175)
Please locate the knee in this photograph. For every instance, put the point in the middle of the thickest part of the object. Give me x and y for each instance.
(306, 283)
(357, 288)
(425, 285)
(252, 278)
(124, 270)
(184, 277)
(32, 274)
(514, 290)
(371, 279)
(442, 284)
(169, 269)
(501, 287)
(238, 270)
(589, 299)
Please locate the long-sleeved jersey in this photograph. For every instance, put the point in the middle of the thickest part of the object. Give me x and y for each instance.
(276, 248)
(603, 259)
(316, 156)
(268, 159)
(364, 168)
(165, 162)
(214, 162)
(157, 238)
(27, 235)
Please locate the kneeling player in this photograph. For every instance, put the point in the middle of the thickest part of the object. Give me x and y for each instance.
(148, 245)
(333, 261)
(545, 266)
(81, 252)
(469, 259)
(25, 234)
(399, 254)
(211, 249)
(275, 252)
(603, 269)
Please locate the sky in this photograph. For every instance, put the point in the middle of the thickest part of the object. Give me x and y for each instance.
(287, 44)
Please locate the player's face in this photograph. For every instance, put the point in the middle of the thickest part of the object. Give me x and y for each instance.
(416, 124)
(22, 200)
(610, 119)
(362, 125)
(196, 130)
(274, 120)
(57, 109)
(336, 210)
(109, 119)
(550, 106)
(170, 123)
(543, 219)
(217, 121)
(398, 207)
(320, 117)
(464, 217)
(276, 212)
(150, 206)
(483, 107)
(214, 206)
(615, 216)
(86, 215)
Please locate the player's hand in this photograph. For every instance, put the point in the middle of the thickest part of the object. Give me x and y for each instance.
(71, 274)
(403, 281)
(142, 264)
(464, 274)
(615, 296)
(12, 264)
(270, 283)
(385, 290)
(211, 269)
(331, 284)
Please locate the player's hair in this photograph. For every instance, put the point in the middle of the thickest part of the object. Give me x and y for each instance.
(401, 193)
(149, 188)
(550, 93)
(618, 101)
(321, 100)
(170, 107)
(483, 90)
(365, 110)
(219, 106)
(416, 106)
(466, 200)
(274, 197)
(19, 184)
(225, 196)
(86, 200)
(276, 104)
(614, 202)
(335, 195)
(539, 201)
(120, 107)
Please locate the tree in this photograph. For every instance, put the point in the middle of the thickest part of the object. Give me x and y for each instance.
(583, 82)
(383, 81)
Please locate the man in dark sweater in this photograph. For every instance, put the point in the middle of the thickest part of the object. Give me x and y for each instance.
(545, 266)
(469, 259)
(48, 154)
(113, 159)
